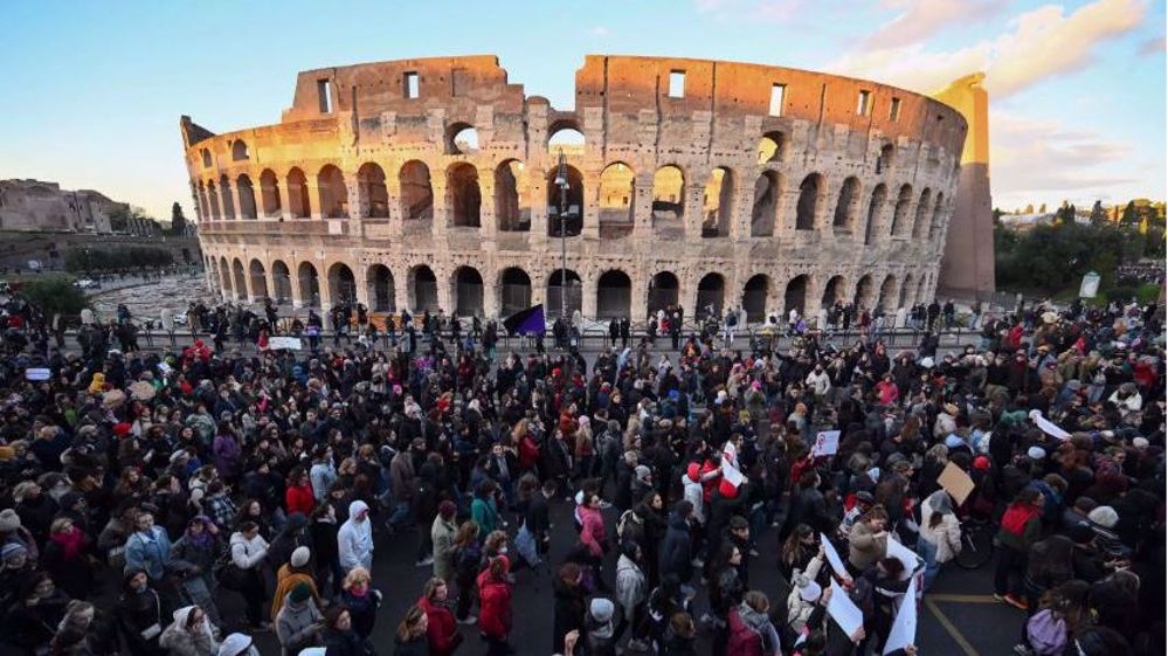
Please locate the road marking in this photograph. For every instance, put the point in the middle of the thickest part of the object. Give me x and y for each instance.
(963, 599)
(948, 626)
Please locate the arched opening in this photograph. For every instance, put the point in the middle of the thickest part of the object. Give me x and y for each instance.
(903, 300)
(298, 204)
(887, 159)
(424, 289)
(282, 281)
(572, 293)
(768, 189)
(754, 297)
(381, 292)
(226, 198)
(663, 292)
(572, 221)
(566, 136)
(468, 292)
(225, 283)
(514, 290)
(614, 295)
(920, 222)
(247, 199)
(887, 295)
(512, 204)
(240, 279)
(772, 148)
(371, 182)
(342, 284)
(206, 158)
(848, 205)
(919, 297)
(711, 295)
(204, 207)
(270, 193)
(833, 291)
(668, 194)
(309, 285)
(617, 196)
(464, 199)
(718, 203)
(875, 211)
(259, 279)
(462, 139)
(213, 196)
(810, 199)
(863, 297)
(334, 196)
(417, 195)
(239, 151)
(900, 215)
(935, 222)
(795, 297)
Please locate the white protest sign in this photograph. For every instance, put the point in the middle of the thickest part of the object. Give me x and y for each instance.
(904, 627)
(1047, 426)
(844, 611)
(290, 343)
(833, 557)
(732, 475)
(37, 374)
(826, 444)
(903, 554)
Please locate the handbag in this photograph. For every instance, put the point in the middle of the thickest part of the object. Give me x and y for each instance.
(228, 574)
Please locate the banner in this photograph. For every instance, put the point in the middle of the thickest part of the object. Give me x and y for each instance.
(844, 611)
(290, 343)
(826, 444)
(833, 557)
(904, 627)
(527, 322)
(1047, 426)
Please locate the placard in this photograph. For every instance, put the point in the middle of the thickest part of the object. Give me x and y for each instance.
(844, 611)
(1047, 426)
(956, 482)
(903, 554)
(826, 444)
(290, 343)
(904, 627)
(37, 374)
(833, 557)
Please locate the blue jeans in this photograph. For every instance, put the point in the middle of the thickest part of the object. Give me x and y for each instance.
(399, 515)
(928, 552)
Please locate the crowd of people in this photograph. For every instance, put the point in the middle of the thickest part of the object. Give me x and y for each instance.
(206, 477)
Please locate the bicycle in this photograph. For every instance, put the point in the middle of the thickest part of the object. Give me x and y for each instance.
(977, 543)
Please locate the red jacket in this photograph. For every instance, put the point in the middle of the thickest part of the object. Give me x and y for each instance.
(442, 631)
(744, 641)
(298, 498)
(494, 606)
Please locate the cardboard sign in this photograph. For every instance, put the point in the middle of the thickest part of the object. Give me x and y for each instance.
(904, 627)
(826, 444)
(290, 343)
(956, 482)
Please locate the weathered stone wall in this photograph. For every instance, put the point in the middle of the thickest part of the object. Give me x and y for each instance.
(38, 205)
(381, 193)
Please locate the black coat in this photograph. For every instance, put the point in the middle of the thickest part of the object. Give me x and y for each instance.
(675, 550)
(569, 612)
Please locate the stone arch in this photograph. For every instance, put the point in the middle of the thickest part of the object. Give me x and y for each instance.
(464, 199)
(342, 284)
(920, 222)
(922, 288)
(239, 279)
(225, 284)
(334, 195)
(711, 294)
(239, 152)
(863, 296)
(213, 196)
(514, 290)
(371, 182)
(379, 280)
(204, 208)
(669, 193)
(718, 203)
(206, 154)
(573, 294)
(417, 194)
(906, 287)
(888, 294)
(299, 205)
(467, 284)
(754, 297)
(938, 212)
(270, 193)
(566, 135)
(423, 289)
(833, 291)
(616, 194)
(247, 199)
(259, 279)
(512, 198)
(847, 208)
(572, 198)
(887, 158)
(226, 198)
(812, 192)
(875, 211)
(795, 296)
(309, 284)
(614, 295)
(768, 194)
(664, 291)
(281, 281)
(462, 139)
(772, 147)
(900, 214)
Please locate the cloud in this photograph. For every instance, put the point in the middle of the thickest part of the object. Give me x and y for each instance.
(1041, 44)
(599, 31)
(1153, 46)
(921, 19)
(770, 11)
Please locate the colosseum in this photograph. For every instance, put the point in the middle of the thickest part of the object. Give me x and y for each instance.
(437, 183)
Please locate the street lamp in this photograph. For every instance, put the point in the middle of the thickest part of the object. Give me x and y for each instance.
(562, 182)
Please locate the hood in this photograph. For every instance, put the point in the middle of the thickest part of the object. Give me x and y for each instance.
(356, 508)
(752, 618)
(678, 522)
(182, 615)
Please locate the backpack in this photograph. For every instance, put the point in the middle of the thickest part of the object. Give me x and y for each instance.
(1047, 633)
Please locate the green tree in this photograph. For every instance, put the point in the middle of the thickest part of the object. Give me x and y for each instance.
(998, 215)
(119, 218)
(55, 295)
(1130, 216)
(178, 222)
(1030, 209)
(1042, 208)
(1098, 214)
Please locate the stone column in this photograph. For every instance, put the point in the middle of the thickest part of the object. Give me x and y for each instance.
(539, 211)
(441, 218)
(358, 199)
(393, 201)
(642, 207)
(591, 207)
(324, 284)
(695, 192)
(491, 299)
(445, 289)
(401, 290)
(317, 212)
(236, 206)
(487, 220)
(814, 294)
(285, 200)
(294, 285)
(688, 294)
(588, 295)
(639, 310)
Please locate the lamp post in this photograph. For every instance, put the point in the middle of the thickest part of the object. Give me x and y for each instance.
(562, 183)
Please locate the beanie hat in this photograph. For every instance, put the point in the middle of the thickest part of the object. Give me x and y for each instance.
(300, 593)
(810, 592)
(981, 463)
(1140, 443)
(235, 645)
(643, 473)
(694, 471)
(300, 556)
(1104, 516)
(602, 609)
(1036, 453)
(9, 521)
(954, 441)
(12, 550)
(122, 429)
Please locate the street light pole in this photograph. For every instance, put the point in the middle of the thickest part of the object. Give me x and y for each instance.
(562, 182)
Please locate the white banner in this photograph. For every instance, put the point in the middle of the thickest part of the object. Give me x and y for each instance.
(904, 627)
(290, 343)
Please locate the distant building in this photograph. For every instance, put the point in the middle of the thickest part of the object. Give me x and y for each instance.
(35, 205)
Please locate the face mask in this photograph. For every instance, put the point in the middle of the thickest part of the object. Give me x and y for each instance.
(503, 551)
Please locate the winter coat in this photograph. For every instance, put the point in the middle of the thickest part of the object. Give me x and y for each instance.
(248, 554)
(946, 536)
(675, 550)
(355, 540)
(864, 547)
(593, 533)
(745, 640)
(296, 625)
(441, 630)
(442, 533)
(631, 586)
(494, 606)
(178, 641)
(569, 612)
(286, 580)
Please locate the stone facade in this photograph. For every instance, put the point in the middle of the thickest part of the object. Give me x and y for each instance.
(436, 183)
(35, 205)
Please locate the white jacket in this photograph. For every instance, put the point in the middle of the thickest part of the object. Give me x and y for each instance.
(946, 535)
(248, 554)
(630, 586)
(355, 540)
(820, 383)
(693, 494)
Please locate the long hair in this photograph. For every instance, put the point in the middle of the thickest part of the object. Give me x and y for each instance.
(468, 532)
(409, 624)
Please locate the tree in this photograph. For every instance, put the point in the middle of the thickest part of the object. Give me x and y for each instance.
(55, 295)
(998, 216)
(178, 222)
(1098, 214)
(1030, 208)
(1042, 208)
(1130, 215)
(119, 218)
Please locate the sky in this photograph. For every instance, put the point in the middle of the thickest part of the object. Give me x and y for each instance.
(94, 90)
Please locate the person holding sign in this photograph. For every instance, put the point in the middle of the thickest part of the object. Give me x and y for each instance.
(868, 540)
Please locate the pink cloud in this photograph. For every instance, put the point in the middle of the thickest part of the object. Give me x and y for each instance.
(921, 19)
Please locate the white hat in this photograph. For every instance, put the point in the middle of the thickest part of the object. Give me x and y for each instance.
(810, 592)
(927, 363)
(1036, 453)
(602, 609)
(1104, 516)
(235, 644)
(1140, 443)
(300, 556)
